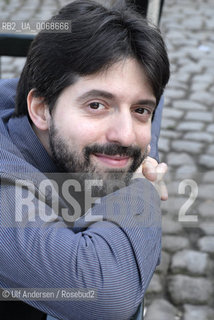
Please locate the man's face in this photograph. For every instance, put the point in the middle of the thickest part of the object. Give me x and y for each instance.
(101, 125)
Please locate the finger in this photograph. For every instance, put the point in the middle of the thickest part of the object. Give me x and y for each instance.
(161, 170)
(149, 171)
(149, 166)
(163, 191)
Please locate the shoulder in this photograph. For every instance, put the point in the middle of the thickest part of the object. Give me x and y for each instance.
(7, 93)
(13, 164)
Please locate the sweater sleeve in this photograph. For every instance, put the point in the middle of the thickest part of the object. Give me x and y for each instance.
(156, 124)
(113, 255)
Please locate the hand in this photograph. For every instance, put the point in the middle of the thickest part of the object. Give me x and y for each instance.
(155, 173)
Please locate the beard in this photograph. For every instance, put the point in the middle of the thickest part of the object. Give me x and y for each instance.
(69, 159)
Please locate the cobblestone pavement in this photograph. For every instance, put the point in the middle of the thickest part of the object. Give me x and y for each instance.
(183, 286)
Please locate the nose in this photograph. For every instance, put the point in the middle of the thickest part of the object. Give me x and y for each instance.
(121, 129)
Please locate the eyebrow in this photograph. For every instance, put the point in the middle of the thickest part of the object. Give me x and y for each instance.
(107, 95)
(95, 93)
(147, 102)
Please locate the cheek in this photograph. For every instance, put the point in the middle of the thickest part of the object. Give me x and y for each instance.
(82, 132)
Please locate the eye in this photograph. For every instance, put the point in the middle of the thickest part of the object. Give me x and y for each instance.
(96, 106)
(143, 114)
(143, 111)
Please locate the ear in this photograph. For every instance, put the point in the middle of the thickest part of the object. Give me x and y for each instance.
(38, 111)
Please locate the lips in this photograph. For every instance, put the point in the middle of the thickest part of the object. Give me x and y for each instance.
(113, 161)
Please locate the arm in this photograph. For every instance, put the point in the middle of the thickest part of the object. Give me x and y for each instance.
(116, 256)
(156, 124)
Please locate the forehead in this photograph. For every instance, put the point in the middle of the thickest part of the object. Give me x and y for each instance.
(125, 72)
(124, 81)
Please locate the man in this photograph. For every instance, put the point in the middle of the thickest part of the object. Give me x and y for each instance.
(84, 105)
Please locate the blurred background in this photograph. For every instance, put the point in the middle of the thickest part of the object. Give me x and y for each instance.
(183, 285)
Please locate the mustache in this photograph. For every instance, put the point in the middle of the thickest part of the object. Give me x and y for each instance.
(112, 150)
